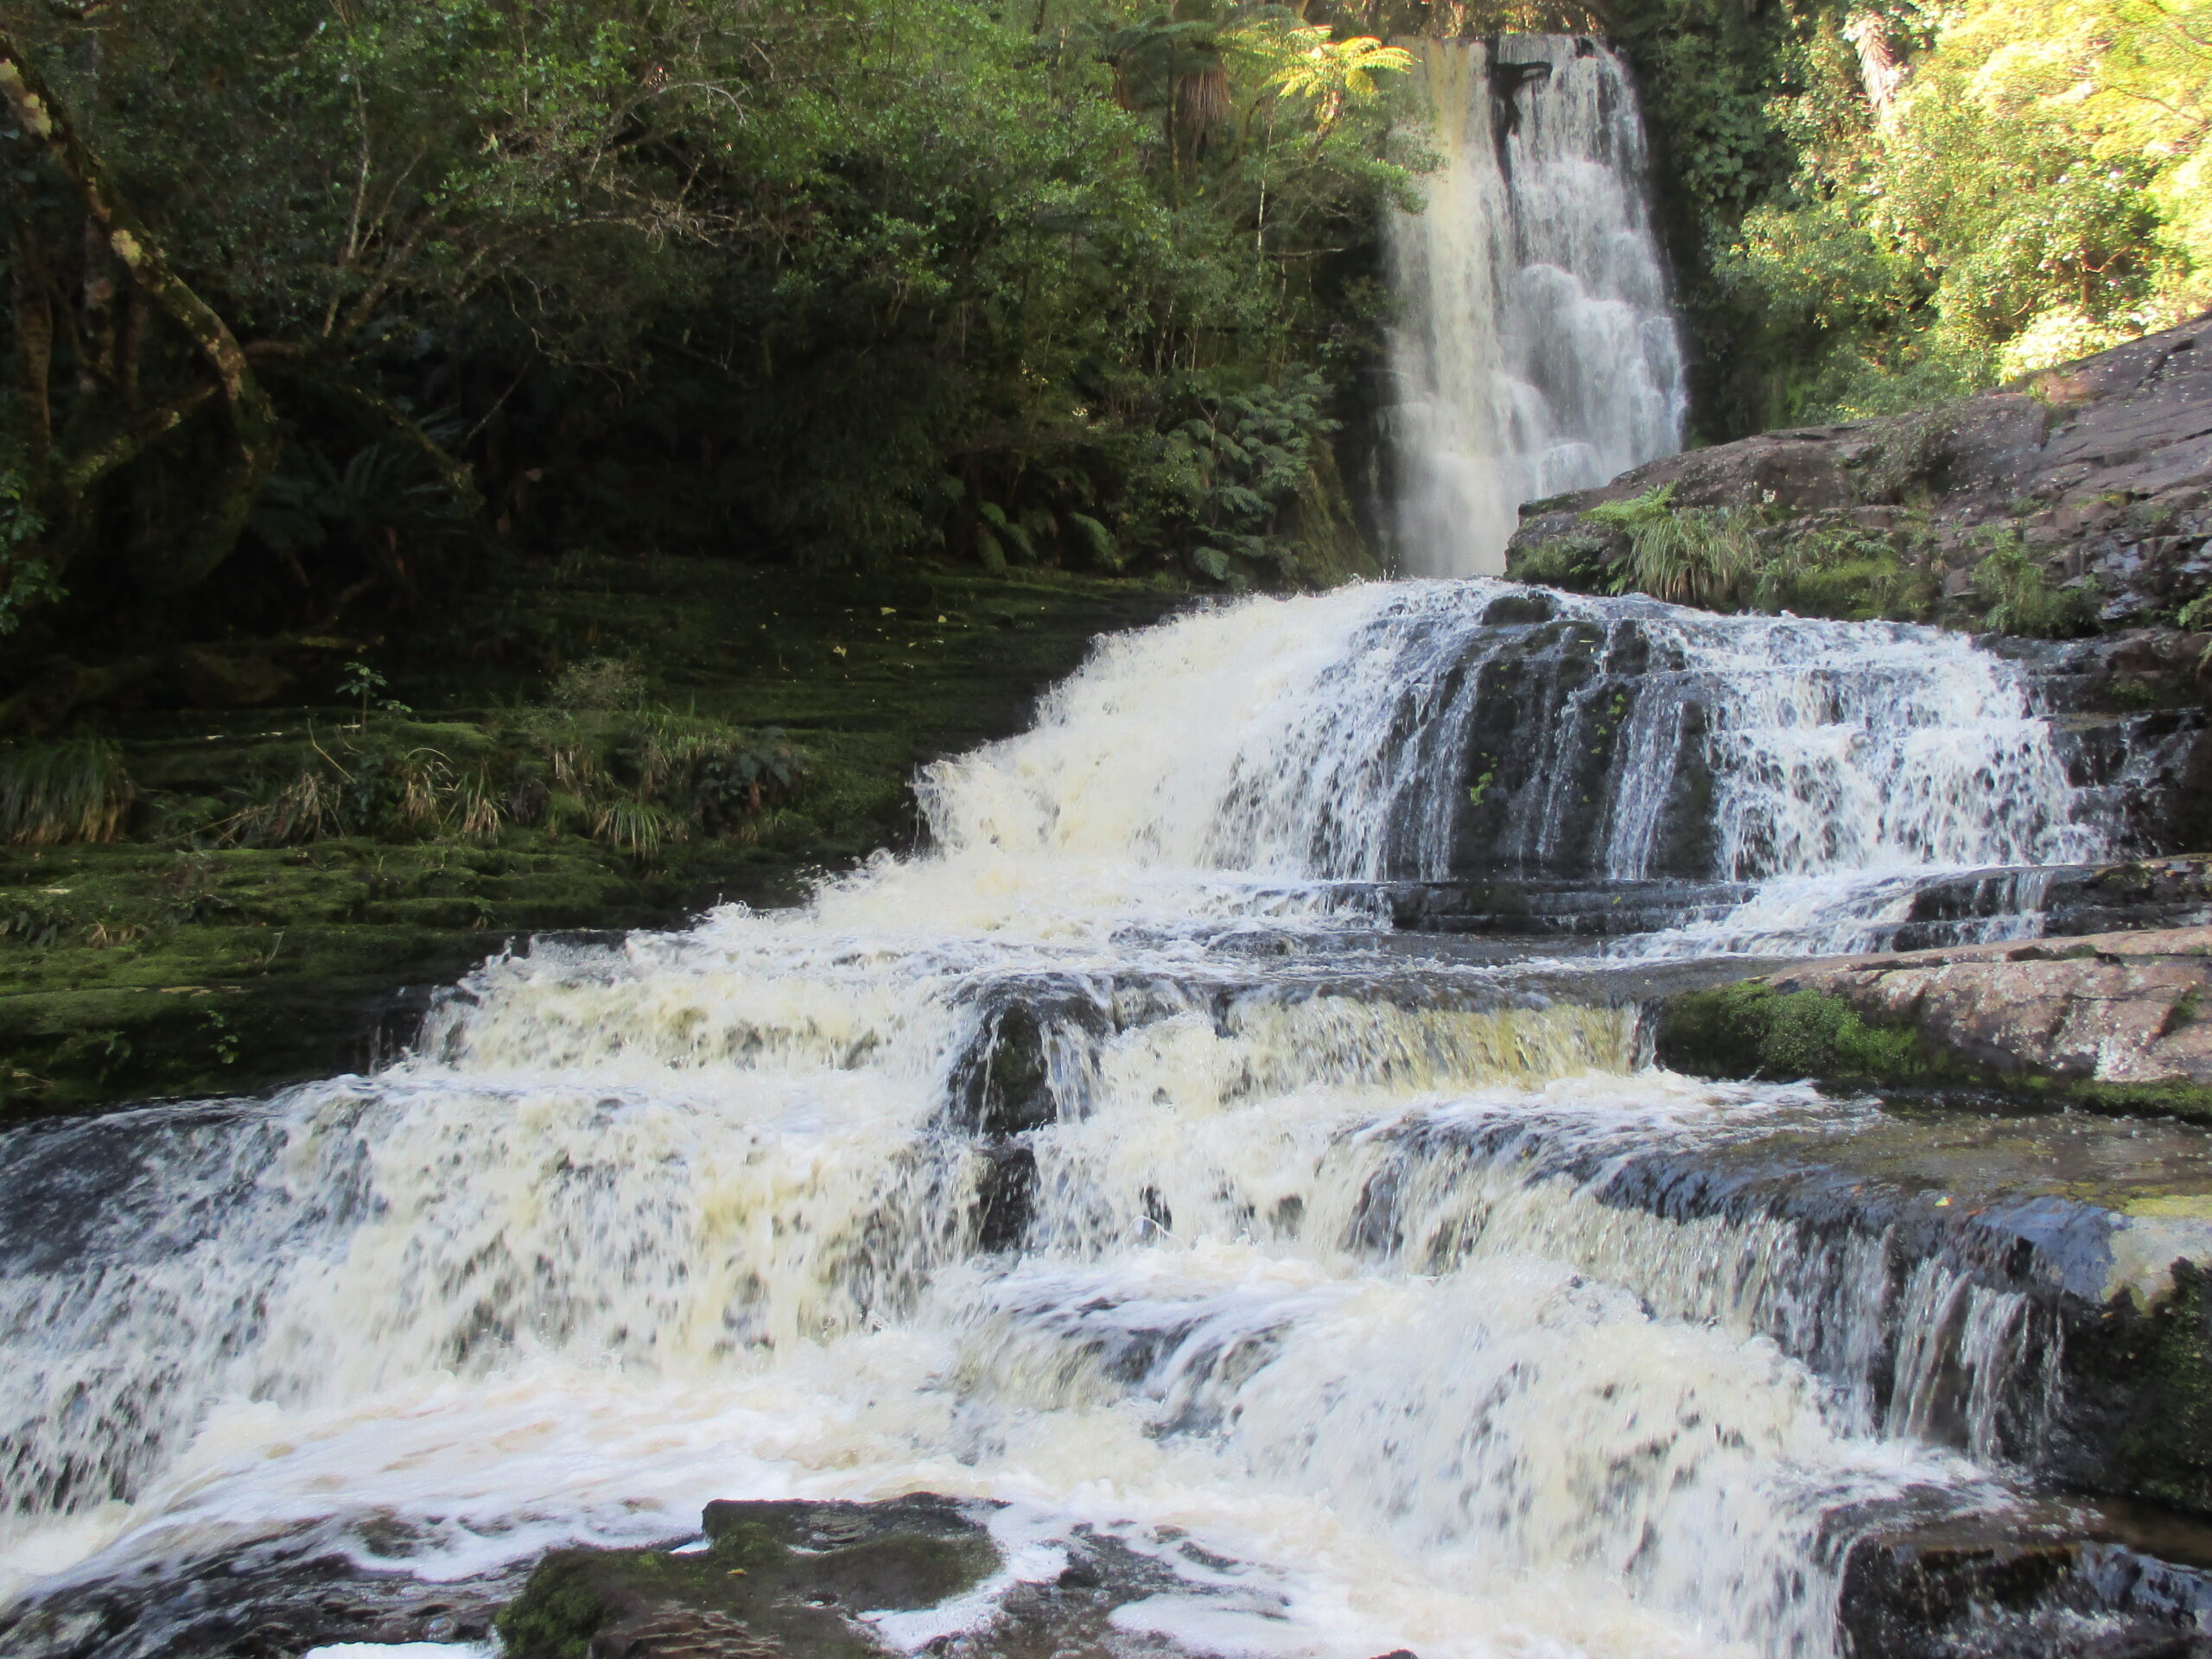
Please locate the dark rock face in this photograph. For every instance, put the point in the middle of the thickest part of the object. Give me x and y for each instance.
(2103, 467)
(1568, 751)
(272, 1599)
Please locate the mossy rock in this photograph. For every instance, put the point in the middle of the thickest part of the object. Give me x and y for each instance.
(2141, 1381)
(1752, 1029)
(777, 1577)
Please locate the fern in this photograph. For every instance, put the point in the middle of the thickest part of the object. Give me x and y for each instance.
(1097, 539)
(2019, 599)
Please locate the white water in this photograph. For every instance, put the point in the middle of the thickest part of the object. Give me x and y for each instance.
(1538, 352)
(696, 1219)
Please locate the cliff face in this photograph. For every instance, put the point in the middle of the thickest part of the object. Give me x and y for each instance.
(2099, 471)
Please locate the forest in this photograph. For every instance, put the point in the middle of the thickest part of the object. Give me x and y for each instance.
(325, 315)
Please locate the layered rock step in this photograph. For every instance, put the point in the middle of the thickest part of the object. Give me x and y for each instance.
(2111, 1020)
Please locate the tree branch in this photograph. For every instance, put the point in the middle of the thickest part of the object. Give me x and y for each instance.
(301, 366)
(253, 421)
(81, 470)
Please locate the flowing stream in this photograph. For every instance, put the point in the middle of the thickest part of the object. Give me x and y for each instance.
(1114, 1160)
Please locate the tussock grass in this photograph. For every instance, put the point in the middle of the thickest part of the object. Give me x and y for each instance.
(52, 793)
(1706, 557)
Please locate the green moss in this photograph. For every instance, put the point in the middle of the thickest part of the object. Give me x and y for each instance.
(171, 963)
(558, 1613)
(2184, 1100)
(1752, 1028)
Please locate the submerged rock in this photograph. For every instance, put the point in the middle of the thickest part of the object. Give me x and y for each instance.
(775, 1578)
(273, 1597)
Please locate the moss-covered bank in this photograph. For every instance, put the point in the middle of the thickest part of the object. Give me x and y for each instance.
(231, 939)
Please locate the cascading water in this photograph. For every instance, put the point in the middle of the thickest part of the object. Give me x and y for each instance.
(1107, 1160)
(1537, 351)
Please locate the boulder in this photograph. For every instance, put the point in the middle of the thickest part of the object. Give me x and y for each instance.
(2113, 1020)
(774, 1578)
(2102, 468)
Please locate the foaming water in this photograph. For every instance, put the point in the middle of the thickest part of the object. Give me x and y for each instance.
(1102, 1161)
(1236, 765)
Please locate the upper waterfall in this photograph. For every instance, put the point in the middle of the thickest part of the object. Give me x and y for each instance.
(1536, 351)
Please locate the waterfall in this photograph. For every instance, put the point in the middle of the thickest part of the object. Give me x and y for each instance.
(1537, 353)
(1104, 1161)
(1433, 731)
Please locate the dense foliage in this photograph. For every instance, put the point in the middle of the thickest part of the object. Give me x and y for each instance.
(1874, 206)
(342, 299)
(324, 313)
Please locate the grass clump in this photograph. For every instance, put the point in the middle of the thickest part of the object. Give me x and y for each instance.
(1707, 557)
(55, 793)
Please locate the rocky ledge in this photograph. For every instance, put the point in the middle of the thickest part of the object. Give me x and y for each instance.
(2111, 1020)
(922, 1574)
(2099, 471)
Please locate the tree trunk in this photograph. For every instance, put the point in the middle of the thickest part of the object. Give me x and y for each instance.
(252, 420)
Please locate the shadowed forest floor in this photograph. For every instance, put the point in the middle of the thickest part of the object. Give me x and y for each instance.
(168, 963)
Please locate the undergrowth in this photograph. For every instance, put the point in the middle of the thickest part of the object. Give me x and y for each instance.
(597, 761)
(637, 780)
(52, 793)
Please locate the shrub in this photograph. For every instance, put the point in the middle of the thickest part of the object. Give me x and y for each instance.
(2019, 598)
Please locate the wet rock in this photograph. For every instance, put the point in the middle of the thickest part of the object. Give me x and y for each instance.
(1002, 1083)
(2048, 1581)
